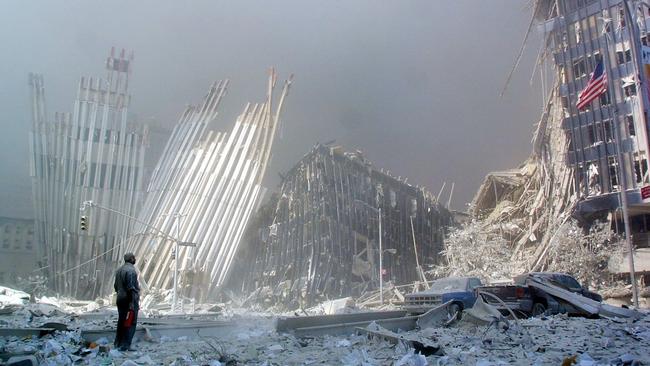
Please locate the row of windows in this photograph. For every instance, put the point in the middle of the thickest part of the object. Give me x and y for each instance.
(602, 132)
(110, 136)
(604, 100)
(595, 182)
(592, 27)
(17, 229)
(17, 244)
(121, 177)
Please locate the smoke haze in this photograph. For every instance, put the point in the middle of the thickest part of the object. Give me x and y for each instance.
(413, 84)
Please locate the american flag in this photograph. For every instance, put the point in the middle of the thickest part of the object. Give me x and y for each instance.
(596, 86)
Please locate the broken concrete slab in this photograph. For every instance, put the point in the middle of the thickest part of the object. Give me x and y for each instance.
(284, 324)
(435, 316)
(589, 306)
(423, 346)
(342, 329)
(219, 329)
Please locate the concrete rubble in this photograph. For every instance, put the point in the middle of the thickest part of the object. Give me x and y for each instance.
(267, 339)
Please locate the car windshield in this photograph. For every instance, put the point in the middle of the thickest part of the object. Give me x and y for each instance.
(448, 284)
(568, 281)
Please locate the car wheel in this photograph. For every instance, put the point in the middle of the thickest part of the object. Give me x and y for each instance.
(538, 309)
(454, 309)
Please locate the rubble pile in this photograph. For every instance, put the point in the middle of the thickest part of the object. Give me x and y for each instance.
(522, 221)
(479, 338)
(585, 255)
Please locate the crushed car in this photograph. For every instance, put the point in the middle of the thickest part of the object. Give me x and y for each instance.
(522, 298)
(459, 290)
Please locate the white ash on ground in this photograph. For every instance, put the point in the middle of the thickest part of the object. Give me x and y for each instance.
(537, 341)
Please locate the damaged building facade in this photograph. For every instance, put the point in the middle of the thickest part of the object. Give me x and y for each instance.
(580, 35)
(323, 237)
(93, 153)
(574, 170)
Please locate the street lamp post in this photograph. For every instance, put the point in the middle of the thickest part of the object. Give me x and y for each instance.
(381, 261)
(381, 251)
(178, 243)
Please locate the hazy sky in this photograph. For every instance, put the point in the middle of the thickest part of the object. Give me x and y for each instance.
(413, 84)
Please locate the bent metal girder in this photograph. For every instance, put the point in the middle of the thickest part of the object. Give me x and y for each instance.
(203, 190)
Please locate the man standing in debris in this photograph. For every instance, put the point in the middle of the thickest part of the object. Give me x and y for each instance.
(128, 302)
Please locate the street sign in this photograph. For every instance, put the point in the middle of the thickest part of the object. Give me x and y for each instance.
(645, 194)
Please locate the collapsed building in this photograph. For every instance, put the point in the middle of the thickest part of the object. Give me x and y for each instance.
(576, 169)
(87, 170)
(335, 219)
(93, 153)
(202, 193)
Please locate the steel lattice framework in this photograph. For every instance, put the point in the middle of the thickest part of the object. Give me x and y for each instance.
(92, 153)
(203, 190)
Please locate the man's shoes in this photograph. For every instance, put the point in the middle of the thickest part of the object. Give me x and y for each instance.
(127, 349)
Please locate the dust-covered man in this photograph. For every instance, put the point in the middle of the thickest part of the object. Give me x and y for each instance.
(128, 302)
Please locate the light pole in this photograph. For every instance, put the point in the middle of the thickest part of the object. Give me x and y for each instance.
(176, 239)
(381, 251)
(177, 243)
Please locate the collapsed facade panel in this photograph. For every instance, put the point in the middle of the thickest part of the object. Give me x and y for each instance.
(95, 154)
(323, 241)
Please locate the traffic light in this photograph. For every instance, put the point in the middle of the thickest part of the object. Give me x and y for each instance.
(83, 225)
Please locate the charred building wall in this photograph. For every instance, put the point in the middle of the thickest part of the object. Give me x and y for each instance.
(323, 242)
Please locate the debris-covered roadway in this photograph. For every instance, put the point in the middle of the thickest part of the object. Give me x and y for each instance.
(252, 339)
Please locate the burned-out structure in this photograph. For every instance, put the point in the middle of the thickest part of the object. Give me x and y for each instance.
(323, 240)
(202, 193)
(92, 153)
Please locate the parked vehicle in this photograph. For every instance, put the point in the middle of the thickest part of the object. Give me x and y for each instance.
(460, 290)
(521, 298)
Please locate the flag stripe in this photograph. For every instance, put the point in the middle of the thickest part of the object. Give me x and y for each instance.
(596, 86)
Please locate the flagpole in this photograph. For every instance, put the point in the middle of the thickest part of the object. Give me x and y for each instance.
(620, 173)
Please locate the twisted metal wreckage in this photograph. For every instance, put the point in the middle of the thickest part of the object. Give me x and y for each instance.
(203, 189)
(322, 239)
(91, 153)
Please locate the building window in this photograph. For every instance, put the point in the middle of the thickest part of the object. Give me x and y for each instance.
(579, 68)
(629, 90)
(578, 32)
(591, 135)
(629, 121)
(607, 131)
(621, 16)
(5, 243)
(604, 99)
(562, 73)
(623, 56)
(613, 173)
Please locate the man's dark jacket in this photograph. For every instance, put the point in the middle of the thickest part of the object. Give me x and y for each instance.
(126, 286)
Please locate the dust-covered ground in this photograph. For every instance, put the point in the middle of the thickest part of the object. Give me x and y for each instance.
(536, 341)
